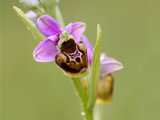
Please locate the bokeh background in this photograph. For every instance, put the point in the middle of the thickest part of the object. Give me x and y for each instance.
(131, 33)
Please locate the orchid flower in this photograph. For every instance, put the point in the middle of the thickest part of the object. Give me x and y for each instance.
(67, 46)
(65, 39)
(105, 84)
(70, 49)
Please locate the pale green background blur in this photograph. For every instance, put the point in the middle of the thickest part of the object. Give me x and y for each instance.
(131, 33)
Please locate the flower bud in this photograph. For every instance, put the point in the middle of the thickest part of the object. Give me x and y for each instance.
(105, 89)
(32, 16)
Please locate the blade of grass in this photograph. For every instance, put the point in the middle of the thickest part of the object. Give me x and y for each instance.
(80, 90)
(94, 71)
(58, 13)
(29, 24)
(84, 98)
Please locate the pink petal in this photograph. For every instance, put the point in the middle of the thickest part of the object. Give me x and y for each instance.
(109, 65)
(76, 29)
(31, 15)
(46, 50)
(48, 25)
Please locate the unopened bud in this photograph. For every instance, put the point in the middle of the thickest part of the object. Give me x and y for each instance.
(105, 89)
(31, 15)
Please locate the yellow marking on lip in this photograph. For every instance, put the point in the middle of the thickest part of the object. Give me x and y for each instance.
(102, 101)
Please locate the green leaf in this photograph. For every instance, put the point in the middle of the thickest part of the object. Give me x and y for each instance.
(29, 24)
(95, 69)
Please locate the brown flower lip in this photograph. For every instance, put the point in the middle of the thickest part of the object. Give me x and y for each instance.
(72, 57)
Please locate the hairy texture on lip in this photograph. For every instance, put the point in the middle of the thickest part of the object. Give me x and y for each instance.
(68, 46)
(73, 57)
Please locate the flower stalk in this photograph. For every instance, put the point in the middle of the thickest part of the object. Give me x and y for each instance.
(87, 112)
(84, 99)
(67, 46)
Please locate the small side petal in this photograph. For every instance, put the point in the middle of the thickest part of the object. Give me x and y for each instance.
(46, 50)
(31, 15)
(76, 29)
(48, 25)
(109, 65)
(89, 48)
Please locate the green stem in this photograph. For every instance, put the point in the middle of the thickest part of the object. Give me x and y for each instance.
(88, 114)
(80, 90)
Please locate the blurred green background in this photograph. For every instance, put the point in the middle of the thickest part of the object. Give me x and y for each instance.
(131, 33)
